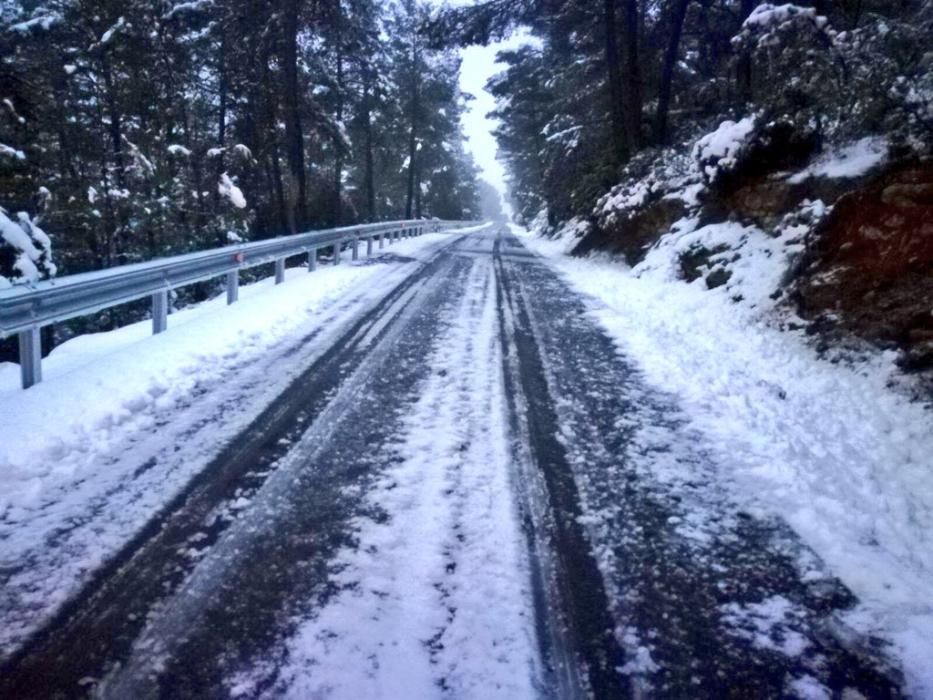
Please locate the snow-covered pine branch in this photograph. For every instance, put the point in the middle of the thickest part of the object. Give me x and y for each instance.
(25, 250)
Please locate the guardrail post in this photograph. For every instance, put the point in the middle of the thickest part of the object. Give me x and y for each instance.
(336, 253)
(382, 241)
(280, 270)
(30, 356)
(312, 260)
(233, 286)
(159, 312)
(369, 246)
(356, 249)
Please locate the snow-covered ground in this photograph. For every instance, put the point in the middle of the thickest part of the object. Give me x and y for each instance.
(77, 450)
(843, 458)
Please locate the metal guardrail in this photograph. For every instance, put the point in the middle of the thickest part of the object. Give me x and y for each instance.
(25, 309)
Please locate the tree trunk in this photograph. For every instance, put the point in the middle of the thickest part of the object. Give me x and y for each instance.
(413, 133)
(744, 68)
(614, 68)
(632, 77)
(338, 138)
(370, 164)
(294, 142)
(418, 190)
(115, 218)
(667, 70)
(223, 89)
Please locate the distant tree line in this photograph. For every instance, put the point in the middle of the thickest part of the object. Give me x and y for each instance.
(131, 129)
(605, 85)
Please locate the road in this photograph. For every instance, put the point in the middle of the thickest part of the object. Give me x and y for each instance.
(469, 493)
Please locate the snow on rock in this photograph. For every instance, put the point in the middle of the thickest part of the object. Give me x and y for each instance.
(851, 161)
(672, 175)
(843, 458)
(227, 189)
(718, 151)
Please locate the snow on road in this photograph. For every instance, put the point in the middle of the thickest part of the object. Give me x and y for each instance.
(124, 420)
(434, 595)
(383, 553)
(830, 448)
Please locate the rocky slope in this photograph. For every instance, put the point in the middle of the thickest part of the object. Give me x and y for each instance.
(837, 239)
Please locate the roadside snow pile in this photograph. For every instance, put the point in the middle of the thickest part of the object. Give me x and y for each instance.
(831, 448)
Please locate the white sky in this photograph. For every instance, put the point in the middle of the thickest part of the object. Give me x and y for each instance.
(479, 64)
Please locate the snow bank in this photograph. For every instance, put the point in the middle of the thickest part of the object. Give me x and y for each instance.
(845, 460)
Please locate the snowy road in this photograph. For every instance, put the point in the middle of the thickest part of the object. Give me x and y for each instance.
(463, 490)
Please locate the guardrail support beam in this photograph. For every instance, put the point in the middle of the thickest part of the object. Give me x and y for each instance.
(312, 260)
(159, 312)
(369, 246)
(356, 249)
(336, 253)
(382, 241)
(233, 286)
(280, 270)
(30, 356)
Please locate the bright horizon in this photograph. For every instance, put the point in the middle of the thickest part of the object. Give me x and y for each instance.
(479, 65)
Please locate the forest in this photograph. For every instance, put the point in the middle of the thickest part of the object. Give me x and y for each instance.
(611, 90)
(641, 408)
(132, 130)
